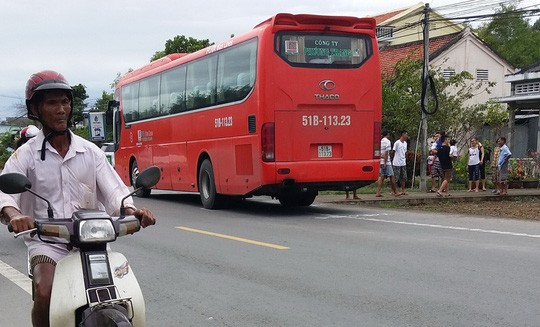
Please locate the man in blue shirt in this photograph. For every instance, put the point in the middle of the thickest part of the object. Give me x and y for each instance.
(504, 157)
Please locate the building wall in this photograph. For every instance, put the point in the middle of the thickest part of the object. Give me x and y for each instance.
(469, 54)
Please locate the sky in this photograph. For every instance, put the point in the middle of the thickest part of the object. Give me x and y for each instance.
(90, 42)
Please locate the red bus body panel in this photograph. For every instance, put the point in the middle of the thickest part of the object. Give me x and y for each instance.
(283, 95)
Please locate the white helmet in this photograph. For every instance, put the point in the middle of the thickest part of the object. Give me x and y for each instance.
(31, 131)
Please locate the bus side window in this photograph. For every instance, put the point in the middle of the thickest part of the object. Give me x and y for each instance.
(242, 80)
(176, 103)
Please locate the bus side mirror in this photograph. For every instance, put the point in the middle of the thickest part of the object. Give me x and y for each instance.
(113, 104)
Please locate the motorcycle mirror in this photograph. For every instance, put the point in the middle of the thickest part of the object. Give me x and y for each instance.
(148, 178)
(14, 183)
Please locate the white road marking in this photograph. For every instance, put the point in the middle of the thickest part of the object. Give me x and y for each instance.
(366, 217)
(16, 277)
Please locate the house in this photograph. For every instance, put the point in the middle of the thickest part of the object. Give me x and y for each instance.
(454, 53)
(524, 105)
(405, 25)
(453, 48)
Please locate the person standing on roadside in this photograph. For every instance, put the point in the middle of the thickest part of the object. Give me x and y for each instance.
(494, 166)
(399, 163)
(436, 171)
(504, 158)
(453, 150)
(474, 165)
(482, 167)
(386, 169)
(355, 195)
(443, 152)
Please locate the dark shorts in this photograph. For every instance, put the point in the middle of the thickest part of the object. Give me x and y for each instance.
(387, 171)
(503, 173)
(474, 172)
(400, 172)
(447, 174)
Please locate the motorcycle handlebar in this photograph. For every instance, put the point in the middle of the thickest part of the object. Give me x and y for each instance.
(64, 228)
(28, 231)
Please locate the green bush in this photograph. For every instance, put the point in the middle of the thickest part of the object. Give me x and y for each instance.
(461, 170)
(7, 142)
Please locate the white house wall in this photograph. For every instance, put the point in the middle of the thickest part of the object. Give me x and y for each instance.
(469, 54)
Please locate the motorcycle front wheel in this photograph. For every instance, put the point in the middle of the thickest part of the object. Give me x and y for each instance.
(106, 317)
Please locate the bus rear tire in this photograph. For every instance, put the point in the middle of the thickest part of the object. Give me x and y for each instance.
(207, 186)
(295, 199)
(134, 175)
(307, 198)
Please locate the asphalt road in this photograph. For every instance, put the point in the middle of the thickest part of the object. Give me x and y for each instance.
(258, 264)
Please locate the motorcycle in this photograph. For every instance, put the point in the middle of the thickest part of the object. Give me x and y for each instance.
(92, 286)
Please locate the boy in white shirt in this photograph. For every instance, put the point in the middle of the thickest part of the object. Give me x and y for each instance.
(399, 163)
(386, 166)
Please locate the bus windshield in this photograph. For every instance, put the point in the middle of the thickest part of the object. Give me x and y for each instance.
(316, 50)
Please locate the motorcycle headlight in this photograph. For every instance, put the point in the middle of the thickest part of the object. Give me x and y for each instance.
(96, 230)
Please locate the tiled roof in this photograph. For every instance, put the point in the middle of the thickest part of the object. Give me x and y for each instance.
(391, 55)
(386, 16)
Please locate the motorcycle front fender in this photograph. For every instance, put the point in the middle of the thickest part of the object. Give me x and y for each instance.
(69, 292)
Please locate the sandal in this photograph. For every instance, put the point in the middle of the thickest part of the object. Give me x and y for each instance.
(439, 194)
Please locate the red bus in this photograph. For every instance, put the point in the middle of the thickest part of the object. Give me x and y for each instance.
(286, 110)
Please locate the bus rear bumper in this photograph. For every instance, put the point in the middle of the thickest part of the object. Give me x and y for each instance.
(323, 176)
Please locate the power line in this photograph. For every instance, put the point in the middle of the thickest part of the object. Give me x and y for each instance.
(529, 12)
(474, 18)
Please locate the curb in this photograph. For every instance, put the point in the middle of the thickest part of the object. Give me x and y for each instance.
(429, 198)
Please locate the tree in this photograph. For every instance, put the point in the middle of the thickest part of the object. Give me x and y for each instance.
(78, 106)
(401, 103)
(512, 36)
(181, 44)
(103, 102)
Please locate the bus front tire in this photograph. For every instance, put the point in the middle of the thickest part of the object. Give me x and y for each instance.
(207, 186)
(134, 174)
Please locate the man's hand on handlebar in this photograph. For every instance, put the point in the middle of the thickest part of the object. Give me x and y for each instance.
(145, 216)
(17, 222)
(20, 223)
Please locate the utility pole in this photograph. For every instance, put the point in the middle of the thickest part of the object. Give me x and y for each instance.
(424, 102)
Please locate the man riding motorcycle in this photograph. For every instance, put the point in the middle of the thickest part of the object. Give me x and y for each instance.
(73, 172)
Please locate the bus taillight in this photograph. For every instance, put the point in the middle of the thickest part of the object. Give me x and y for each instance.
(268, 144)
(377, 140)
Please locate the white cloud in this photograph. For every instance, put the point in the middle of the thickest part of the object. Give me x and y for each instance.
(91, 41)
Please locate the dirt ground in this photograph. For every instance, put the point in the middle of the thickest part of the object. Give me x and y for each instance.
(527, 208)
